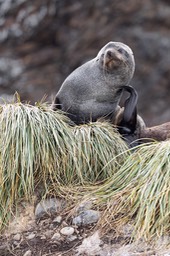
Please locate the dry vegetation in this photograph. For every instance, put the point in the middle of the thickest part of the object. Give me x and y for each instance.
(89, 162)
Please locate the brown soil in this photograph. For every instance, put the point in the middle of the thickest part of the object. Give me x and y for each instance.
(26, 237)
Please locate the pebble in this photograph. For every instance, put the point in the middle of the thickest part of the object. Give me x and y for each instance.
(58, 219)
(17, 237)
(48, 233)
(28, 253)
(47, 207)
(30, 236)
(86, 217)
(71, 238)
(56, 236)
(84, 206)
(67, 231)
(43, 237)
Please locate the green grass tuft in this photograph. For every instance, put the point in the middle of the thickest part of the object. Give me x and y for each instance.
(33, 141)
(140, 191)
(91, 159)
(41, 147)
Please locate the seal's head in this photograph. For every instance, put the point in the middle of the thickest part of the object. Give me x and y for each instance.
(116, 58)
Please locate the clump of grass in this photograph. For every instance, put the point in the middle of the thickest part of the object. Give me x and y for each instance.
(140, 191)
(42, 146)
(98, 153)
(33, 140)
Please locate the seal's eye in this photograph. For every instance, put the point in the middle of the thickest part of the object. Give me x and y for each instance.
(121, 50)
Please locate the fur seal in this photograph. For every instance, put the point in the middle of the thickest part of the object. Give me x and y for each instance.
(94, 89)
(128, 122)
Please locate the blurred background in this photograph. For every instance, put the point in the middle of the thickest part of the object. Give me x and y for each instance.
(42, 41)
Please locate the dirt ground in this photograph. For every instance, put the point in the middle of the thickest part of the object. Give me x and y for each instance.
(27, 237)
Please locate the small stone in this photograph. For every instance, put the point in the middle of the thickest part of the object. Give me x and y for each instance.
(30, 236)
(15, 243)
(48, 207)
(17, 237)
(43, 237)
(67, 231)
(87, 217)
(65, 224)
(48, 233)
(56, 236)
(71, 238)
(84, 206)
(58, 219)
(28, 253)
(51, 226)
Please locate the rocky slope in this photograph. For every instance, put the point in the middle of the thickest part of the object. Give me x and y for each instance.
(55, 235)
(41, 42)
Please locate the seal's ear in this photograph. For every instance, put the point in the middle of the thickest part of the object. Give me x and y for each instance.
(128, 120)
(56, 104)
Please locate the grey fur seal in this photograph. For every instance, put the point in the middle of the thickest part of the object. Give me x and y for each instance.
(94, 89)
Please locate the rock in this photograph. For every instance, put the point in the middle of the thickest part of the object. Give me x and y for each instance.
(43, 237)
(16, 243)
(86, 217)
(58, 219)
(67, 231)
(84, 206)
(48, 233)
(17, 237)
(48, 207)
(28, 253)
(71, 238)
(90, 245)
(30, 236)
(56, 236)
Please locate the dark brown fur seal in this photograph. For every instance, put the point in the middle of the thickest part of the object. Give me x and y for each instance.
(94, 89)
(128, 122)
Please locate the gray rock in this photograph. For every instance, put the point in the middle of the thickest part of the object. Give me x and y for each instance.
(71, 238)
(58, 219)
(84, 206)
(86, 217)
(17, 237)
(48, 233)
(67, 231)
(28, 253)
(30, 236)
(47, 207)
(56, 236)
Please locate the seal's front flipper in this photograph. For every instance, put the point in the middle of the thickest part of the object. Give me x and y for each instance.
(128, 126)
(130, 104)
(126, 119)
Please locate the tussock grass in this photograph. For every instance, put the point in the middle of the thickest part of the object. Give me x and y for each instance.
(140, 191)
(39, 146)
(98, 152)
(33, 140)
